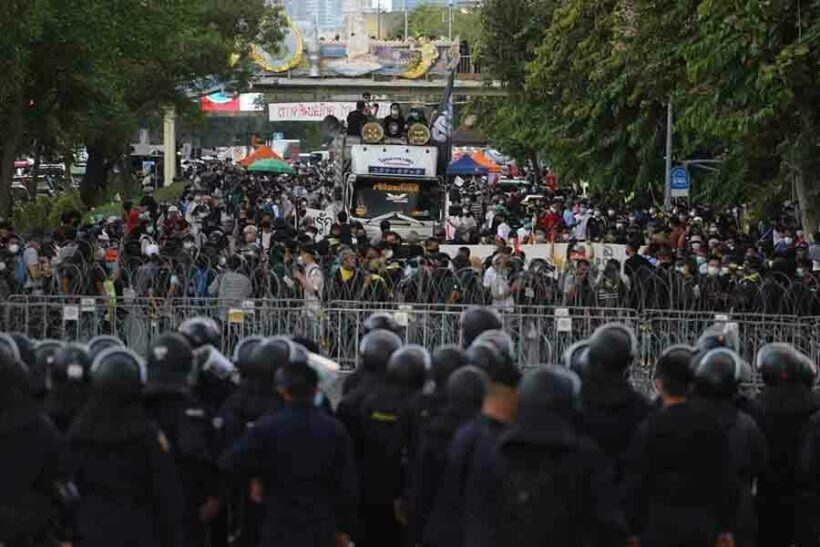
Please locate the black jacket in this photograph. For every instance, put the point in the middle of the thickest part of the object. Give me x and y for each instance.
(553, 486)
(33, 460)
(304, 460)
(678, 479)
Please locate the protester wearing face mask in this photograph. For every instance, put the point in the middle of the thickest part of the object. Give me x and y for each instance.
(395, 125)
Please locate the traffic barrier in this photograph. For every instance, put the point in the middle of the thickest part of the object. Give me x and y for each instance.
(541, 333)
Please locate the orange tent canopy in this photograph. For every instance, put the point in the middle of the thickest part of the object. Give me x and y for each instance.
(484, 161)
(261, 153)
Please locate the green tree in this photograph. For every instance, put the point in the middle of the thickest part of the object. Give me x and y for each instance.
(84, 72)
(433, 20)
(756, 67)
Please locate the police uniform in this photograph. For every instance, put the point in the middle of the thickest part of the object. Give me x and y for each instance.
(304, 460)
(124, 467)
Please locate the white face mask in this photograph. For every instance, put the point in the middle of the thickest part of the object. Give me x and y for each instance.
(681, 269)
(388, 254)
(724, 271)
(14, 248)
(800, 272)
(713, 270)
(188, 245)
(788, 240)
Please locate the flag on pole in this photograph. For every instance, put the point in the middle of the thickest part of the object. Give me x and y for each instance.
(442, 129)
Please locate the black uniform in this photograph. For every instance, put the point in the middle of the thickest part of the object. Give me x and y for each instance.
(123, 463)
(611, 412)
(747, 445)
(472, 442)
(33, 461)
(195, 437)
(808, 487)
(788, 408)
(678, 486)
(304, 460)
(549, 485)
(130, 489)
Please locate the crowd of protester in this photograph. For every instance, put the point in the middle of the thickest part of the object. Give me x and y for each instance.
(234, 235)
(441, 448)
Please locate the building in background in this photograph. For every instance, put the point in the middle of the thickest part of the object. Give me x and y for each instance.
(328, 13)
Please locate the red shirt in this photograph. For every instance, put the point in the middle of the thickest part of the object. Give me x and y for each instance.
(132, 219)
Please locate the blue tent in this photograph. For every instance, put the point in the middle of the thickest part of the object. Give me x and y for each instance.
(466, 166)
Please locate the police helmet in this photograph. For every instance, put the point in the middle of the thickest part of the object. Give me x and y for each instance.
(271, 354)
(503, 343)
(486, 356)
(718, 373)
(100, 343)
(25, 348)
(71, 365)
(212, 366)
(445, 361)
(36, 375)
(376, 348)
(576, 357)
(14, 375)
(550, 388)
(10, 345)
(118, 372)
(476, 320)
(719, 335)
(780, 363)
(243, 350)
(298, 380)
(408, 367)
(170, 362)
(467, 387)
(382, 321)
(201, 331)
(612, 347)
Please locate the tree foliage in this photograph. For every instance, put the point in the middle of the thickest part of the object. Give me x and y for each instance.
(433, 20)
(742, 77)
(83, 73)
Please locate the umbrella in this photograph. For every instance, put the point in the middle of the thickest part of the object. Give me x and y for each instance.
(261, 153)
(270, 166)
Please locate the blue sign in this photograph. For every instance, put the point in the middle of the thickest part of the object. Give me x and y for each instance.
(680, 178)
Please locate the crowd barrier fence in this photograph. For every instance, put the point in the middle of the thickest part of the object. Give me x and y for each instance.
(541, 333)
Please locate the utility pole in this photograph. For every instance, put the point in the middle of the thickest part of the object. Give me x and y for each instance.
(667, 195)
(450, 22)
(379, 20)
(406, 20)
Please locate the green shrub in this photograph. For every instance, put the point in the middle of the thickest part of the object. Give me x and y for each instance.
(45, 212)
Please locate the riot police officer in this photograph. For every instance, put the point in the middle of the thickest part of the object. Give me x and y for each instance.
(380, 464)
(465, 391)
(612, 408)
(377, 321)
(44, 354)
(547, 483)
(576, 358)
(716, 381)
(304, 462)
(679, 485)
(126, 473)
(201, 331)
(473, 440)
(100, 343)
(788, 407)
(375, 351)
(476, 320)
(258, 360)
(34, 466)
(69, 378)
(192, 431)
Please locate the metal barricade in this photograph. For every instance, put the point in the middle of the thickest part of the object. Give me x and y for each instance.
(541, 333)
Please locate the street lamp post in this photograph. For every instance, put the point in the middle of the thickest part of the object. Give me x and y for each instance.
(406, 20)
(450, 22)
(667, 194)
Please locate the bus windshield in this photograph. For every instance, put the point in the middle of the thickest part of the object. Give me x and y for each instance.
(419, 199)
